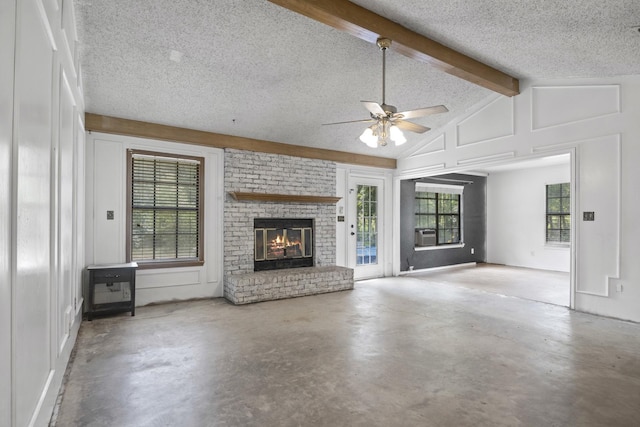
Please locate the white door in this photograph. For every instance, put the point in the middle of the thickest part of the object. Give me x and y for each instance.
(365, 227)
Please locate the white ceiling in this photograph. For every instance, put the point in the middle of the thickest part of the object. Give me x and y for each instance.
(253, 69)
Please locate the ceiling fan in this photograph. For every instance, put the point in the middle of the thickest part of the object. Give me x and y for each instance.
(387, 122)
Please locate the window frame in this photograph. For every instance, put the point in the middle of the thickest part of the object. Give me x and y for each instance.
(165, 263)
(437, 215)
(561, 214)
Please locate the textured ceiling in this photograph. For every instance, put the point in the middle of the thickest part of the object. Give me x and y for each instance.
(253, 69)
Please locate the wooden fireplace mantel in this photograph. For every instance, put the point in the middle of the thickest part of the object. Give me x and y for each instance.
(289, 198)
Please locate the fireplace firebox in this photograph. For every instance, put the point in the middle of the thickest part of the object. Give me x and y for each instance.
(282, 243)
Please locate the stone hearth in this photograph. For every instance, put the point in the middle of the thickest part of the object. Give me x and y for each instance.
(289, 283)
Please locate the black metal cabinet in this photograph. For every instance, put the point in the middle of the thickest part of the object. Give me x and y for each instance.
(109, 275)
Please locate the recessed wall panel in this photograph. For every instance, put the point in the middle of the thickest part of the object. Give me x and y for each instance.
(435, 146)
(561, 105)
(65, 206)
(33, 111)
(7, 40)
(161, 279)
(108, 187)
(599, 192)
(491, 122)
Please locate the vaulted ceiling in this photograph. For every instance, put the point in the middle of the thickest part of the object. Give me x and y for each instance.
(254, 69)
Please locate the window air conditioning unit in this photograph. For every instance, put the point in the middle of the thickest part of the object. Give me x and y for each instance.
(425, 237)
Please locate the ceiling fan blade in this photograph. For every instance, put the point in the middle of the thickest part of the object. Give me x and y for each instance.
(421, 112)
(412, 127)
(374, 108)
(350, 121)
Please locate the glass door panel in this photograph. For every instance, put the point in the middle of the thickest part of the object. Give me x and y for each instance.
(367, 225)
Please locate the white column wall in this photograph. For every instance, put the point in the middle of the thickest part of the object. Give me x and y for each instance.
(516, 218)
(596, 119)
(41, 115)
(105, 239)
(7, 45)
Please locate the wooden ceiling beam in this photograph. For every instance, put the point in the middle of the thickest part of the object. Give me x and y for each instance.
(118, 126)
(367, 25)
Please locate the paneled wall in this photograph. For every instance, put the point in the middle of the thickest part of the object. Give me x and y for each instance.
(596, 120)
(42, 206)
(105, 238)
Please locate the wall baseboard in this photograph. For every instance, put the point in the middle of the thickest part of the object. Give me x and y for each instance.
(444, 267)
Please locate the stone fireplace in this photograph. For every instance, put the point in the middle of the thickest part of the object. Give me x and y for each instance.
(280, 188)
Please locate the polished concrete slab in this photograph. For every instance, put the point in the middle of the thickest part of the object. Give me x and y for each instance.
(552, 287)
(392, 352)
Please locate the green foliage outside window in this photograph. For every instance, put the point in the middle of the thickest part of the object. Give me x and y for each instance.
(440, 212)
(165, 208)
(367, 225)
(559, 213)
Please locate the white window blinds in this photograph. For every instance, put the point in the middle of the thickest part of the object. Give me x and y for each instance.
(165, 208)
(439, 188)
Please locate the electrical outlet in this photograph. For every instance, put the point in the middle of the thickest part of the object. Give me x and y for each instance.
(110, 215)
(619, 287)
(473, 251)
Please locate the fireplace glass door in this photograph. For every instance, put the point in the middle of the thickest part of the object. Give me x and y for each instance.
(282, 243)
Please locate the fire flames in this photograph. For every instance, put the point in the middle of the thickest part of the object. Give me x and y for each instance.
(284, 247)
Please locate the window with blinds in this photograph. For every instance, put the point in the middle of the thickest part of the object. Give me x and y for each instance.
(165, 209)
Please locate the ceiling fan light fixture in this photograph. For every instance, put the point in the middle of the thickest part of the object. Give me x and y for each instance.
(388, 122)
(384, 127)
(369, 137)
(396, 135)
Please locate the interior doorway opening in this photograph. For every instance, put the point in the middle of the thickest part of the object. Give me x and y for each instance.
(528, 209)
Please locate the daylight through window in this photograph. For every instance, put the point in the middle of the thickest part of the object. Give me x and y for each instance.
(165, 219)
(438, 211)
(559, 213)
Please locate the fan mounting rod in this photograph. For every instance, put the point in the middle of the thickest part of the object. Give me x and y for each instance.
(384, 44)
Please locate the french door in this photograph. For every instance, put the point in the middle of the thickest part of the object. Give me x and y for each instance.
(365, 228)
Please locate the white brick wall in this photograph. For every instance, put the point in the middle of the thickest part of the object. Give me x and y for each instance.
(247, 171)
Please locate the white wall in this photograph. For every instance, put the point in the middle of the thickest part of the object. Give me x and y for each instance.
(105, 239)
(516, 218)
(597, 120)
(7, 44)
(42, 135)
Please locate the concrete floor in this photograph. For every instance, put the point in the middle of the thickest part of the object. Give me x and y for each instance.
(392, 352)
(552, 287)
